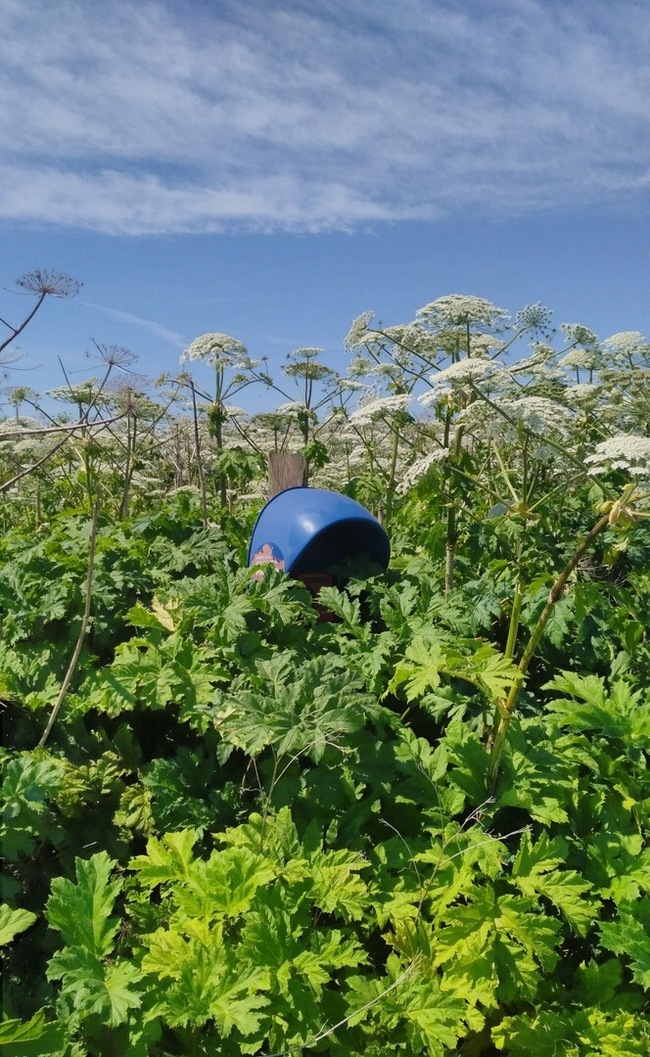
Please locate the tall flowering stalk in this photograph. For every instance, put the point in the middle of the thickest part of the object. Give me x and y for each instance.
(234, 371)
(317, 386)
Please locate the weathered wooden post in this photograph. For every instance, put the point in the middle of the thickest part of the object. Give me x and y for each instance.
(286, 470)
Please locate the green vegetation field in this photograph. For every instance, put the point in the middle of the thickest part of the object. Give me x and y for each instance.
(418, 828)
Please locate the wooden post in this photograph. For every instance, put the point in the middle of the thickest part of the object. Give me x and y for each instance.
(286, 470)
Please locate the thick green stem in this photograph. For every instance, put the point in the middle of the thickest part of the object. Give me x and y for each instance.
(450, 548)
(128, 466)
(514, 621)
(390, 491)
(506, 708)
(74, 660)
(199, 459)
(452, 517)
(223, 483)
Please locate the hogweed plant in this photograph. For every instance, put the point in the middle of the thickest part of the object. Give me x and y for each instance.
(233, 371)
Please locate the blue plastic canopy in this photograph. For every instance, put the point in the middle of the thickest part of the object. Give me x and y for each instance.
(307, 530)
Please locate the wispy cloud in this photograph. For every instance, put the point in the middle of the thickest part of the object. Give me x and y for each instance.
(160, 117)
(149, 325)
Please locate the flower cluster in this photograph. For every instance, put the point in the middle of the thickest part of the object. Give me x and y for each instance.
(545, 423)
(624, 451)
(577, 334)
(460, 310)
(534, 319)
(464, 372)
(219, 350)
(379, 407)
(359, 331)
(420, 467)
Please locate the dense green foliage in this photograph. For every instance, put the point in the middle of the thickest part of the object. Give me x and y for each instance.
(249, 827)
(417, 827)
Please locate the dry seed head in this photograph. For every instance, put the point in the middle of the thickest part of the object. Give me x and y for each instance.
(49, 283)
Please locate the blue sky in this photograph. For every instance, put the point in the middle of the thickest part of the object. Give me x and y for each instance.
(273, 169)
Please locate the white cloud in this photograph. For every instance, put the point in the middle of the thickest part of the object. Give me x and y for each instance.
(157, 117)
(172, 337)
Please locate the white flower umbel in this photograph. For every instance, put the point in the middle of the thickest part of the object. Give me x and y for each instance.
(351, 385)
(81, 393)
(485, 346)
(576, 332)
(358, 333)
(486, 374)
(626, 344)
(361, 366)
(458, 310)
(418, 468)
(539, 415)
(504, 421)
(219, 350)
(411, 338)
(581, 360)
(583, 395)
(291, 409)
(625, 451)
(232, 411)
(380, 407)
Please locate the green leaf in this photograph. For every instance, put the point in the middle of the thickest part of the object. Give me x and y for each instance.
(298, 712)
(494, 672)
(95, 988)
(29, 782)
(502, 935)
(411, 1007)
(573, 1033)
(166, 953)
(622, 864)
(330, 951)
(32, 1038)
(14, 921)
(213, 984)
(420, 669)
(237, 1001)
(166, 860)
(630, 937)
(347, 609)
(534, 872)
(225, 885)
(544, 1035)
(335, 886)
(81, 912)
(623, 715)
(597, 983)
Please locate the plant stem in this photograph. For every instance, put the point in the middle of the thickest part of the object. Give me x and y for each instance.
(128, 467)
(452, 522)
(506, 708)
(391, 475)
(21, 326)
(74, 660)
(450, 547)
(513, 627)
(199, 459)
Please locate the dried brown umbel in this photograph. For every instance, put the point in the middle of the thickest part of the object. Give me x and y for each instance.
(41, 283)
(48, 283)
